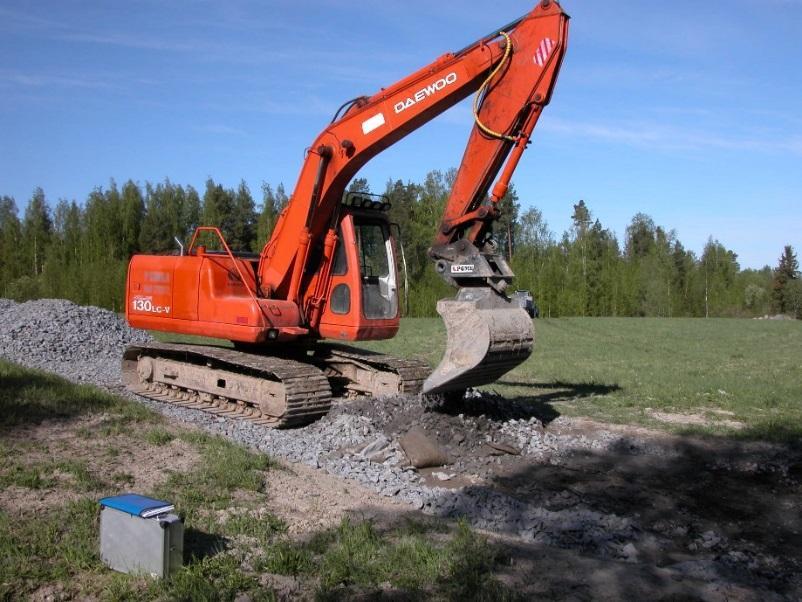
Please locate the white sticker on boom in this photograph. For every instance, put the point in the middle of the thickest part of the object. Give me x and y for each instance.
(371, 124)
(544, 51)
(462, 269)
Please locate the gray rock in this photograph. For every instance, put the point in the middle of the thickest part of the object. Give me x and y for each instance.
(422, 450)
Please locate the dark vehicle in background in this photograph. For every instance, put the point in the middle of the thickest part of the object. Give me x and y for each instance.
(527, 302)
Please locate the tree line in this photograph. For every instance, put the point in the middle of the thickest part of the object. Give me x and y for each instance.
(80, 251)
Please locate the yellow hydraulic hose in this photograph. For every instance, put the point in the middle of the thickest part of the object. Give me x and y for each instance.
(483, 87)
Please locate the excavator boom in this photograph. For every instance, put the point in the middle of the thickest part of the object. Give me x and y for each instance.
(329, 268)
(512, 72)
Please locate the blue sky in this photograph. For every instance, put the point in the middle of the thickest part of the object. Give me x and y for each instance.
(688, 111)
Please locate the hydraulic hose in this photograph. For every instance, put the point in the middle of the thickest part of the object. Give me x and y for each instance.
(477, 100)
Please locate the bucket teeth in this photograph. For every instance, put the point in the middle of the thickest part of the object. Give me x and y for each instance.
(487, 336)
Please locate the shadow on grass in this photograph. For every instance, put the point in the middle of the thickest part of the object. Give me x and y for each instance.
(534, 404)
(695, 513)
(199, 545)
(29, 397)
(771, 431)
(561, 389)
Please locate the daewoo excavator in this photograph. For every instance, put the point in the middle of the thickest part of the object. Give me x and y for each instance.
(329, 269)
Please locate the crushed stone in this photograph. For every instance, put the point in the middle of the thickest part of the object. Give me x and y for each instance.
(485, 437)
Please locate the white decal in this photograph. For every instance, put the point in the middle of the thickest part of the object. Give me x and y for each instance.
(462, 269)
(371, 124)
(146, 304)
(424, 93)
(544, 51)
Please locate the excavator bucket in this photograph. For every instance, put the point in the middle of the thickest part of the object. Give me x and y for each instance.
(488, 335)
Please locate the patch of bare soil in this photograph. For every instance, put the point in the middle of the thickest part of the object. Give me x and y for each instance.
(706, 518)
(122, 461)
(19, 500)
(310, 501)
(697, 419)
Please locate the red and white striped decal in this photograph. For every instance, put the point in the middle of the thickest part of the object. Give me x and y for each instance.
(544, 51)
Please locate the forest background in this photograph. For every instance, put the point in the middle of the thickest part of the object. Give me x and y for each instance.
(81, 251)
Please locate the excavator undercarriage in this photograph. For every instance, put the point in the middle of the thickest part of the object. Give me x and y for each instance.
(276, 391)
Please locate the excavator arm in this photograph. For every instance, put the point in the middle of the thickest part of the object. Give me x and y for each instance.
(324, 248)
(512, 72)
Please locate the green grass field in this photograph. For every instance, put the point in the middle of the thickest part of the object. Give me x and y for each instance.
(622, 370)
(618, 369)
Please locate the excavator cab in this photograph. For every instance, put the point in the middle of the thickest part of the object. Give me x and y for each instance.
(487, 333)
(364, 290)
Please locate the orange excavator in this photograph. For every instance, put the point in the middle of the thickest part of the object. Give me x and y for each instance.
(329, 270)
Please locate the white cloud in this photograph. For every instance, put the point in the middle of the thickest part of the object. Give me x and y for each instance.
(662, 137)
(38, 80)
(128, 41)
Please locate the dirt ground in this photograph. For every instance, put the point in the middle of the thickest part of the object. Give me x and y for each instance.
(694, 519)
(306, 499)
(628, 513)
(121, 459)
(713, 520)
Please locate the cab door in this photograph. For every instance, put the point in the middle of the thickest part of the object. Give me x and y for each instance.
(363, 293)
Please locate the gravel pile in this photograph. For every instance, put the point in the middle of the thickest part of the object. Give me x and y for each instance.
(358, 440)
(83, 344)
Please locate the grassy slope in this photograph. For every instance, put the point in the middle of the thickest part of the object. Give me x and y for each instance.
(232, 544)
(615, 368)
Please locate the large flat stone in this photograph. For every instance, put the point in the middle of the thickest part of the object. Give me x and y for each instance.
(422, 450)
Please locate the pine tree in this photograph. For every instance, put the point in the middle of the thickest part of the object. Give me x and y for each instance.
(10, 243)
(581, 219)
(241, 232)
(640, 236)
(785, 273)
(132, 214)
(37, 228)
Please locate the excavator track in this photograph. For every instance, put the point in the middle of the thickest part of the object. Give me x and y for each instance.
(270, 391)
(361, 372)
